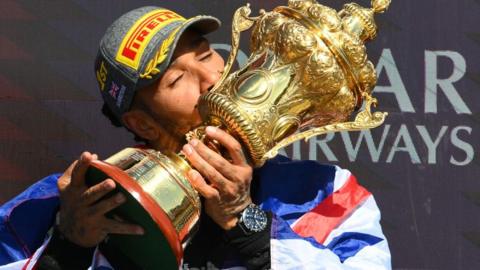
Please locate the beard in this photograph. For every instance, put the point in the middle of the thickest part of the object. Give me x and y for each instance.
(176, 128)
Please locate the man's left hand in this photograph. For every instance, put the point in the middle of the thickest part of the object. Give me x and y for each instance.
(224, 184)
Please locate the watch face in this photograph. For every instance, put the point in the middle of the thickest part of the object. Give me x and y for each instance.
(254, 219)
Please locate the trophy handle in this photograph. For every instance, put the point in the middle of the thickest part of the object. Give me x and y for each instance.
(363, 120)
(241, 22)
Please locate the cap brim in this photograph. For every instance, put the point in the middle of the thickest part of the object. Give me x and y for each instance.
(203, 24)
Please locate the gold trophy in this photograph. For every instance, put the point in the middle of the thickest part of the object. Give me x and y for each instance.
(307, 73)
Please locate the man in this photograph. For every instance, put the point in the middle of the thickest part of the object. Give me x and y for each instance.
(152, 67)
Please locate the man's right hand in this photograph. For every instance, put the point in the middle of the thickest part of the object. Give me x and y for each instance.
(82, 209)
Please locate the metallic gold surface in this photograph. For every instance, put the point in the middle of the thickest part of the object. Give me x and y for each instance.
(163, 178)
(307, 73)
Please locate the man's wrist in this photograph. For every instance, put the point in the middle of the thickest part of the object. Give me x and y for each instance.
(61, 253)
(231, 223)
(59, 243)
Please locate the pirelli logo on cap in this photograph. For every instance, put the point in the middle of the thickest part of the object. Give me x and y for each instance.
(138, 37)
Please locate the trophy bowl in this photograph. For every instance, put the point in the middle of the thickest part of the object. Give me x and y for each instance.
(158, 197)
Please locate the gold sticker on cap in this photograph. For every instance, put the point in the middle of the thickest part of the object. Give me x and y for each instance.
(102, 74)
(138, 37)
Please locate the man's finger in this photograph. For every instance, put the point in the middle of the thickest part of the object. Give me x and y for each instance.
(214, 159)
(201, 186)
(78, 174)
(97, 191)
(230, 143)
(106, 205)
(117, 227)
(212, 175)
(66, 178)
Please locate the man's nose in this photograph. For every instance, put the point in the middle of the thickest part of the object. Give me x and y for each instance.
(208, 78)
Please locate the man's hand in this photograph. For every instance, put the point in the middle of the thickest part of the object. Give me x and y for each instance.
(225, 185)
(82, 209)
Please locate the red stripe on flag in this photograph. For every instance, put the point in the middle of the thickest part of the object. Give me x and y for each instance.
(27, 263)
(321, 220)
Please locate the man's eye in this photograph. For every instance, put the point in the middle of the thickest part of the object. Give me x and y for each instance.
(172, 84)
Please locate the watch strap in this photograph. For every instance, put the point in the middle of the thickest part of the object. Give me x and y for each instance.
(254, 247)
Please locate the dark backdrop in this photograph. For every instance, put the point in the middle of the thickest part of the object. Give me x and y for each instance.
(422, 165)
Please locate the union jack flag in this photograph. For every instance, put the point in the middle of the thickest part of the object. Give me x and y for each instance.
(114, 90)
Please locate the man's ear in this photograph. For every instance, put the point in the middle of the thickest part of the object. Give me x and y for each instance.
(141, 124)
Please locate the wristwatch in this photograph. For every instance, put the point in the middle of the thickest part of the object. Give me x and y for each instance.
(252, 219)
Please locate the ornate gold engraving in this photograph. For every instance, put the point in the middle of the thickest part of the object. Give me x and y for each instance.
(308, 71)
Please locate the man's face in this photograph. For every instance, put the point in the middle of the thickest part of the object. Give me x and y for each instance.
(195, 68)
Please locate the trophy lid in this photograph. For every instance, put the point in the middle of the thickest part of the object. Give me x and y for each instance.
(361, 20)
(344, 33)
